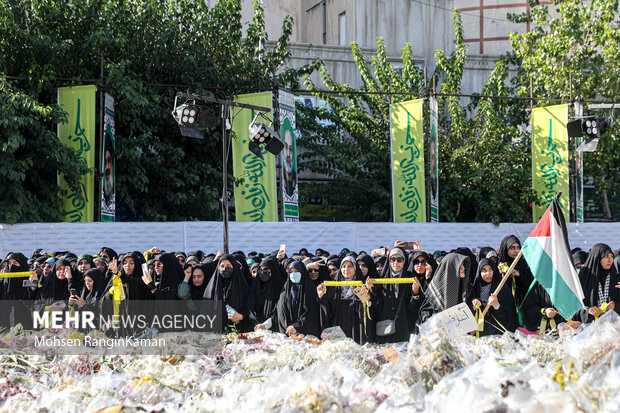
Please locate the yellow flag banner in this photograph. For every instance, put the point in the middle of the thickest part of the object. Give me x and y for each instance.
(407, 150)
(255, 196)
(550, 158)
(79, 133)
(354, 283)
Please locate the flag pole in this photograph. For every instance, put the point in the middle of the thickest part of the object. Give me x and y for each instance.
(501, 284)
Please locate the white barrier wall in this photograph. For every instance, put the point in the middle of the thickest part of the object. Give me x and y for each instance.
(267, 236)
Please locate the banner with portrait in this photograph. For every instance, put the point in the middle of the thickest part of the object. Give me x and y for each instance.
(434, 158)
(108, 163)
(290, 190)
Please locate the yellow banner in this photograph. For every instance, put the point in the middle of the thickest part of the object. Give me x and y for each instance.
(255, 197)
(79, 133)
(372, 281)
(407, 144)
(550, 158)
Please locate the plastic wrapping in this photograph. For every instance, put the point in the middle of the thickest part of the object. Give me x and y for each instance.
(438, 372)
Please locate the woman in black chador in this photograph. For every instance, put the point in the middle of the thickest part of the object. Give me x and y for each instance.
(228, 285)
(395, 301)
(502, 315)
(539, 313)
(521, 279)
(264, 294)
(449, 286)
(298, 310)
(600, 282)
(341, 307)
(13, 289)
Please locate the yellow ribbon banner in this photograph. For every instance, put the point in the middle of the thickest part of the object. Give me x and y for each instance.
(372, 281)
(16, 274)
(118, 294)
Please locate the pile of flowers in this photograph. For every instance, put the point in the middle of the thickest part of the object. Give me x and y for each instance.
(578, 370)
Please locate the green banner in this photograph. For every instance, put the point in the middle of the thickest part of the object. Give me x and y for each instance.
(255, 190)
(407, 147)
(79, 133)
(550, 158)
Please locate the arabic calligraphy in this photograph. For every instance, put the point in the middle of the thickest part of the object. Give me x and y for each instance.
(255, 192)
(550, 170)
(409, 167)
(78, 199)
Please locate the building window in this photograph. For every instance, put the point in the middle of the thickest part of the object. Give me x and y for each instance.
(342, 29)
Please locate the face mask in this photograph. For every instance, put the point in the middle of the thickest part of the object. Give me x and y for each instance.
(264, 275)
(295, 277)
(14, 268)
(226, 272)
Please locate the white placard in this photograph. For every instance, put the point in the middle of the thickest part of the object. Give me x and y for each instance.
(458, 319)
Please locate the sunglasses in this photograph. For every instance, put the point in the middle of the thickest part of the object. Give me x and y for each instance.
(313, 270)
(420, 262)
(397, 259)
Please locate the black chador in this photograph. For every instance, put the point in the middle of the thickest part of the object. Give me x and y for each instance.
(264, 294)
(599, 285)
(341, 307)
(297, 305)
(229, 286)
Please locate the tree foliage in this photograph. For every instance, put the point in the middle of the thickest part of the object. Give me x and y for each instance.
(484, 162)
(145, 45)
(353, 148)
(573, 52)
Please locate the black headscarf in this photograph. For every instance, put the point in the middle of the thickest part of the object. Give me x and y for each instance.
(592, 277)
(264, 295)
(232, 291)
(525, 278)
(172, 273)
(323, 270)
(370, 264)
(12, 288)
(579, 257)
(472, 260)
(506, 315)
(197, 293)
(111, 253)
(388, 272)
(99, 285)
(245, 268)
(447, 289)
(55, 288)
(137, 271)
(484, 251)
(430, 260)
(304, 316)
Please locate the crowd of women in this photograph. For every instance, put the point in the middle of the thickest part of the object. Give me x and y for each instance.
(288, 294)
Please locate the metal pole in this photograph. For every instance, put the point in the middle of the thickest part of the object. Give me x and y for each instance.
(101, 156)
(225, 177)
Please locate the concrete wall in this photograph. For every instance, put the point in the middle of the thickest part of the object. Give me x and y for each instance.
(427, 26)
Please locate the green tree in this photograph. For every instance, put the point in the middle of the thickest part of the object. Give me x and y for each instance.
(484, 164)
(145, 46)
(572, 52)
(353, 149)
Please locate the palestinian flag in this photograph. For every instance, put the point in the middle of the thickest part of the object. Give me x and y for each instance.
(548, 255)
